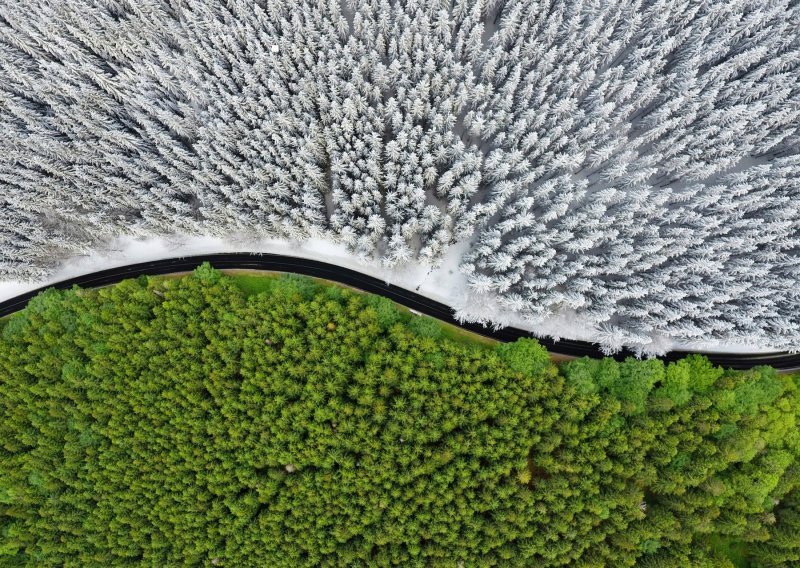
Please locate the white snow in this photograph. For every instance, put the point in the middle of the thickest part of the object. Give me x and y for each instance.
(444, 283)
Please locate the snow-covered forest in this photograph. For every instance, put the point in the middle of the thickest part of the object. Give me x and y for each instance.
(636, 162)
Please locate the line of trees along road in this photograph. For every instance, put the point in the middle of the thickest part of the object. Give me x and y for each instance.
(180, 421)
(784, 361)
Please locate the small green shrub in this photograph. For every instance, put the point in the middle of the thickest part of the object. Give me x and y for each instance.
(386, 311)
(425, 327)
(524, 355)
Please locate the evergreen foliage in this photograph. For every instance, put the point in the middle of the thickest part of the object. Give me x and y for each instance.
(633, 161)
(782, 549)
(176, 422)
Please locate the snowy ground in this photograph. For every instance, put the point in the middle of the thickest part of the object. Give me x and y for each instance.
(445, 283)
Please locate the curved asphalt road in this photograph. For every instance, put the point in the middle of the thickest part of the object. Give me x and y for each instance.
(278, 263)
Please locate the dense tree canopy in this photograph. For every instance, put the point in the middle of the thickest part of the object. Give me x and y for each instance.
(183, 422)
(635, 161)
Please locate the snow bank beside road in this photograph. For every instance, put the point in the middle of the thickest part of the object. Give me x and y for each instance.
(445, 283)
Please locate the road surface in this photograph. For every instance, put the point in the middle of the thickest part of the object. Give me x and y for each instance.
(783, 361)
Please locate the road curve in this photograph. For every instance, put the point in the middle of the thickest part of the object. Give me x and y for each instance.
(781, 360)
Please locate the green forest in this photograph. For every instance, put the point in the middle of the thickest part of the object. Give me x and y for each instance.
(205, 421)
